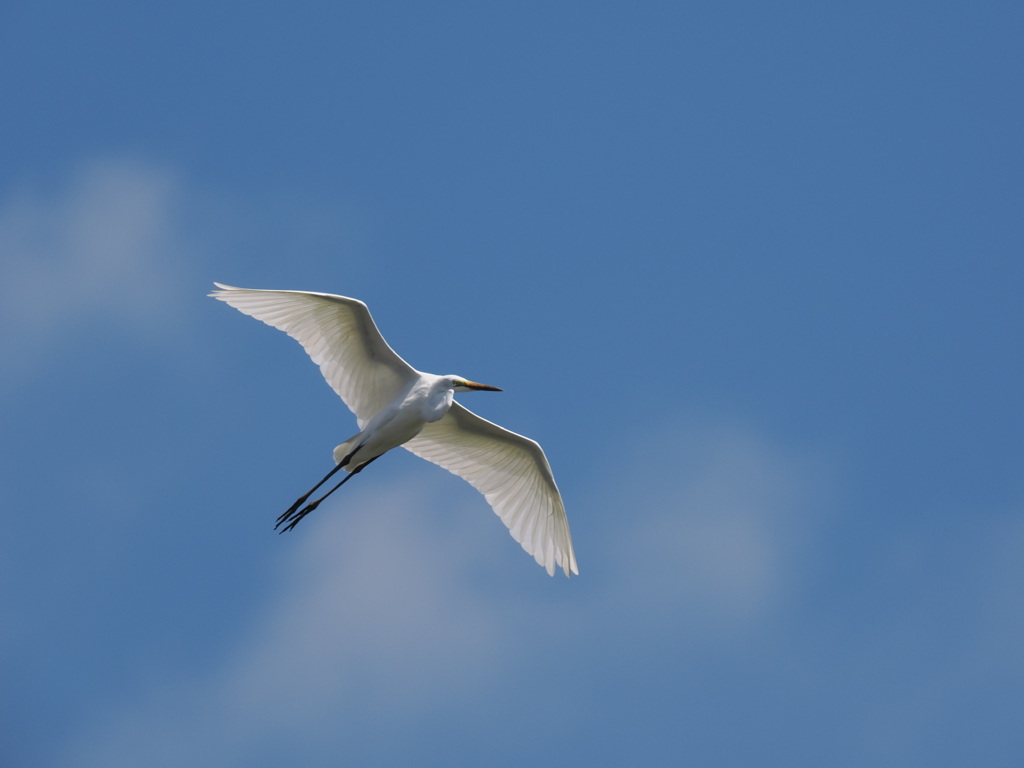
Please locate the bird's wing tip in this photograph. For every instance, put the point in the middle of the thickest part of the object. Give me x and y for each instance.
(566, 563)
(222, 290)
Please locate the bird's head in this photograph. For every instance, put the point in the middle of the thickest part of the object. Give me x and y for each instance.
(460, 384)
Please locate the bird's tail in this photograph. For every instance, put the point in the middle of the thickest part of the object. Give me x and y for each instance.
(346, 449)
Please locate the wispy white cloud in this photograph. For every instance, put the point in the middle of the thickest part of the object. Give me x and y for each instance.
(374, 619)
(378, 615)
(104, 246)
(374, 609)
(715, 520)
(1002, 631)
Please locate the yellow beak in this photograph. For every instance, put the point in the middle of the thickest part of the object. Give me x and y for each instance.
(485, 387)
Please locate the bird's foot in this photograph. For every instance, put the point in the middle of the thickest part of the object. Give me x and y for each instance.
(292, 517)
(292, 510)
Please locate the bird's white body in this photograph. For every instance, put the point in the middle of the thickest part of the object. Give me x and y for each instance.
(396, 405)
(427, 400)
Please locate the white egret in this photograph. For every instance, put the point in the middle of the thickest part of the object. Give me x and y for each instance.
(397, 405)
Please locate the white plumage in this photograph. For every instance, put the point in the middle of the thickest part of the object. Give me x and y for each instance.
(395, 404)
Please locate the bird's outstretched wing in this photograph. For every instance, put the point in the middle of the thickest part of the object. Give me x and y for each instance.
(512, 473)
(340, 336)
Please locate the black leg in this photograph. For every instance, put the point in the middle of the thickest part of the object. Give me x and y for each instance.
(292, 517)
(302, 499)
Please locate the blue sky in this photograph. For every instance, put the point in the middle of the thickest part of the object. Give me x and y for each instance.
(751, 273)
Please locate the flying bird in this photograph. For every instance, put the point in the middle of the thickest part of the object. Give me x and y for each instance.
(396, 405)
